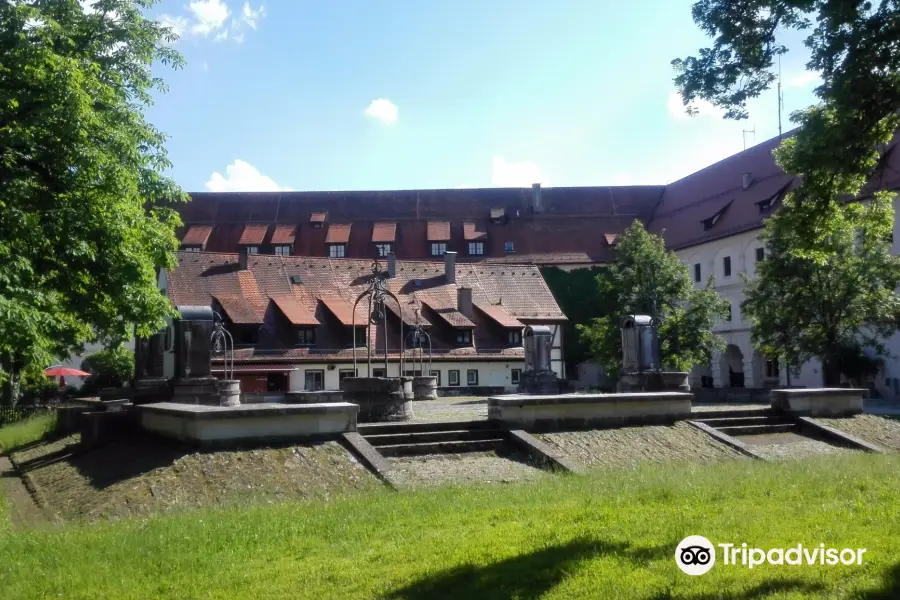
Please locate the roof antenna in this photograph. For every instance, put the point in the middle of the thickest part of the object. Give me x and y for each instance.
(746, 131)
(780, 97)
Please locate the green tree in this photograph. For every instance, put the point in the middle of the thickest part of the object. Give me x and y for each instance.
(576, 293)
(648, 279)
(801, 307)
(112, 367)
(853, 46)
(83, 227)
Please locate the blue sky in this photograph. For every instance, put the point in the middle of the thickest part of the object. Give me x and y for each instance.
(399, 94)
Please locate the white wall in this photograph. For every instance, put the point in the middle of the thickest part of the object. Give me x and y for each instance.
(490, 373)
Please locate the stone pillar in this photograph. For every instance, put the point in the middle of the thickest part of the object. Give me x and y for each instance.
(716, 366)
(749, 375)
(229, 392)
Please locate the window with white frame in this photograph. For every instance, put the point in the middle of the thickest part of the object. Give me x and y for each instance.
(337, 250)
(463, 337)
(476, 248)
(438, 248)
(252, 249)
(382, 250)
(283, 250)
(515, 337)
(472, 377)
(436, 374)
(453, 377)
(191, 249)
(516, 376)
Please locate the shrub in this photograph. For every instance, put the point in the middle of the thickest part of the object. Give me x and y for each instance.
(113, 367)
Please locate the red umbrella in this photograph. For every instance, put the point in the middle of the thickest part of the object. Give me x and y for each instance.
(64, 372)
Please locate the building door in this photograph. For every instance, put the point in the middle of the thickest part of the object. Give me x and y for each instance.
(315, 381)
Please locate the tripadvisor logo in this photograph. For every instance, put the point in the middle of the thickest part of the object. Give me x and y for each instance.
(696, 555)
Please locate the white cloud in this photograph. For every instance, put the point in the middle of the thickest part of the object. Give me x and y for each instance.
(178, 25)
(222, 35)
(801, 80)
(505, 173)
(250, 17)
(238, 37)
(678, 110)
(241, 176)
(383, 110)
(209, 16)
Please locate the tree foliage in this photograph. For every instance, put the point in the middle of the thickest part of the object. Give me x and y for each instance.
(648, 279)
(576, 293)
(803, 308)
(112, 367)
(82, 226)
(854, 46)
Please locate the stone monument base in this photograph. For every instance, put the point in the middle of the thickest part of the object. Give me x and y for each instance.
(229, 392)
(151, 389)
(819, 402)
(664, 381)
(424, 388)
(379, 398)
(539, 382)
(196, 390)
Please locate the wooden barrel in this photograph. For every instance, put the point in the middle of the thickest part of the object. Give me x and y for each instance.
(380, 399)
(424, 388)
(229, 392)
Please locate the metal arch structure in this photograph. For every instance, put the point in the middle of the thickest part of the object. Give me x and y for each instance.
(417, 335)
(377, 293)
(222, 343)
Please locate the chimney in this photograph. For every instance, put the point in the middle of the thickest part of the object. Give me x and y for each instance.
(536, 201)
(450, 266)
(242, 258)
(746, 180)
(392, 265)
(464, 301)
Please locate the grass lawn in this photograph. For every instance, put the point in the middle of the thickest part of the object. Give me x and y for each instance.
(25, 432)
(608, 536)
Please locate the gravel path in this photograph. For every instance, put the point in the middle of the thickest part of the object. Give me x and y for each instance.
(880, 431)
(628, 447)
(459, 408)
(781, 446)
(462, 469)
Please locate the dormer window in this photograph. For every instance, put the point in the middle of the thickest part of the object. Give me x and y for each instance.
(711, 221)
(508, 247)
(464, 337)
(382, 250)
(360, 335)
(306, 336)
(191, 249)
(252, 249)
(438, 248)
(337, 251)
(283, 250)
(476, 248)
(498, 215)
(765, 206)
(317, 219)
(515, 338)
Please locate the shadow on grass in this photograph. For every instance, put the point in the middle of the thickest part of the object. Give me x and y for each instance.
(889, 589)
(763, 590)
(526, 577)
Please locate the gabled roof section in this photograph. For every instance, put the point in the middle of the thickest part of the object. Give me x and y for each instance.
(383, 233)
(284, 234)
(438, 231)
(338, 233)
(295, 312)
(710, 222)
(253, 235)
(409, 315)
(341, 309)
(451, 316)
(317, 217)
(473, 231)
(197, 235)
(611, 238)
(498, 315)
(239, 310)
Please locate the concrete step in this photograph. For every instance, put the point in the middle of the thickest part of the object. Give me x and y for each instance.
(758, 429)
(755, 420)
(457, 447)
(705, 415)
(392, 439)
(368, 429)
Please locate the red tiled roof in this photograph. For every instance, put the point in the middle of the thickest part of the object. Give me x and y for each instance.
(251, 356)
(343, 310)
(438, 231)
(450, 315)
(253, 235)
(256, 368)
(295, 312)
(409, 315)
(197, 235)
(472, 232)
(283, 234)
(338, 233)
(239, 309)
(500, 316)
(384, 232)
(317, 217)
